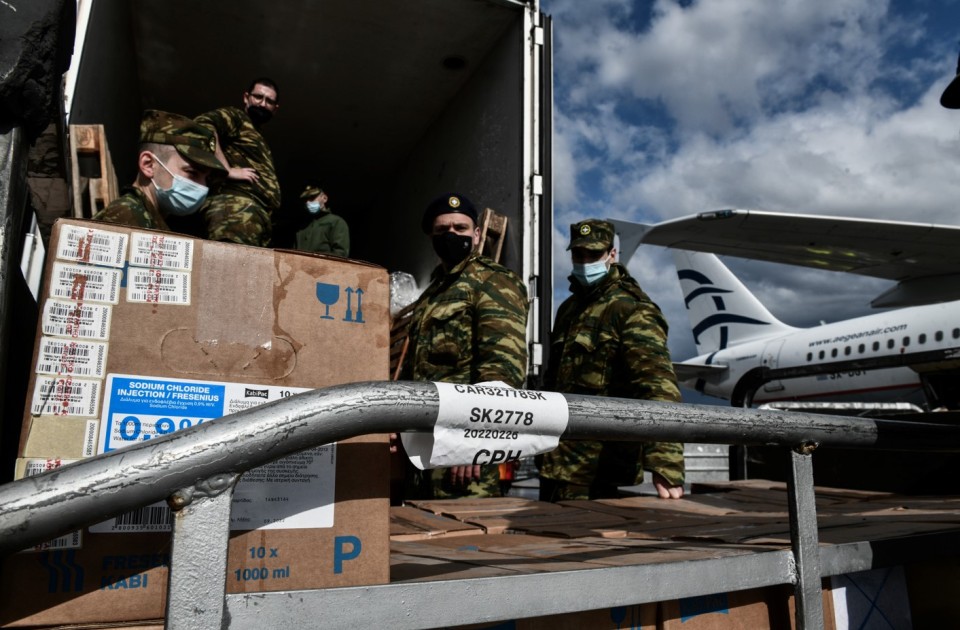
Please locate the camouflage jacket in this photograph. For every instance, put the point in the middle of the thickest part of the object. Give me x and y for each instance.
(132, 208)
(469, 326)
(328, 233)
(610, 339)
(243, 146)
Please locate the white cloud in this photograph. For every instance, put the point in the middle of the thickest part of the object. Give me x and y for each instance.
(849, 159)
(717, 64)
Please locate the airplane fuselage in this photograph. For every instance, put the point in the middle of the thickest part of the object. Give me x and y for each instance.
(875, 357)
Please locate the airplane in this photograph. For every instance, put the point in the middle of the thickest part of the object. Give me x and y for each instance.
(748, 356)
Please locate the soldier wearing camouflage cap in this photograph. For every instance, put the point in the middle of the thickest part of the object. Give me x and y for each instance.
(469, 326)
(176, 157)
(326, 233)
(609, 339)
(241, 205)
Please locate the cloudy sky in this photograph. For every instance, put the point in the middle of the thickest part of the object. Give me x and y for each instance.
(669, 108)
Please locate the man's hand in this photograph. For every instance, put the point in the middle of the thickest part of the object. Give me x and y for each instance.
(463, 475)
(664, 489)
(243, 174)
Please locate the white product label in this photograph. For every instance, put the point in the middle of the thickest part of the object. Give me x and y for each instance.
(157, 286)
(85, 283)
(273, 496)
(92, 246)
(67, 541)
(161, 251)
(65, 396)
(76, 321)
(71, 357)
(488, 424)
(294, 492)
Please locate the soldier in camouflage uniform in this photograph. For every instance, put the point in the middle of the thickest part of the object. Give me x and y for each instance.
(176, 156)
(326, 233)
(469, 326)
(240, 206)
(608, 339)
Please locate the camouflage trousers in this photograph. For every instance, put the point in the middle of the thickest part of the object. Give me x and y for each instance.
(553, 491)
(237, 219)
(436, 484)
(594, 470)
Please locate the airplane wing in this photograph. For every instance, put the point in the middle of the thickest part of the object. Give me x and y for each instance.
(923, 258)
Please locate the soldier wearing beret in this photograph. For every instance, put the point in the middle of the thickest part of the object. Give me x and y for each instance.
(608, 339)
(241, 205)
(469, 326)
(326, 233)
(176, 156)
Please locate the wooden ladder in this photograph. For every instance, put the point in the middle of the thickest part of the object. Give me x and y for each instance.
(493, 230)
(91, 170)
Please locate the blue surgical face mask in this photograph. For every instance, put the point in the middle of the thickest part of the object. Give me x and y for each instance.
(313, 207)
(183, 197)
(589, 273)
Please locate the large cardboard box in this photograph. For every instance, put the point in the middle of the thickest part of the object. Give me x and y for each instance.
(766, 608)
(143, 333)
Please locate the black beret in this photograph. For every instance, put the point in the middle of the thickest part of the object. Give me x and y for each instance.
(445, 204)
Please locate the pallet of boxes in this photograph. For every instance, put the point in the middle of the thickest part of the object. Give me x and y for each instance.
(143, 333)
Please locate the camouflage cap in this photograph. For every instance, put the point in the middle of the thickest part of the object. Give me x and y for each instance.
(311, 191)
(593, 234)
(191, 140)
(951, 96)
(445, 204)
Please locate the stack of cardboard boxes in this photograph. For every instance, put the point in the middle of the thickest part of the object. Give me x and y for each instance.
(143, 333)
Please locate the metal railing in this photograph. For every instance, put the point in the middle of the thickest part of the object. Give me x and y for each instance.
(196, 470)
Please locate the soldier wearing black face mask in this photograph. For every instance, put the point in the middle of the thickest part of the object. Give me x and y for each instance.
(240, 206)
(469, 326)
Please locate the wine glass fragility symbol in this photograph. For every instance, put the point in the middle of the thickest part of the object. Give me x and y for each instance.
(328, 294)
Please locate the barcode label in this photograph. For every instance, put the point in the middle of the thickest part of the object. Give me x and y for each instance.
(152, 518)
(161, 251)
(71, 357)
(65, 396)
(156, 286)
(67, 541)
(90, 434)
(88, 245)
(76, 321)
(84, 283)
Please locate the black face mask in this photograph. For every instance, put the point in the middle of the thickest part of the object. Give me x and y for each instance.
(258, 114)
(452, 248)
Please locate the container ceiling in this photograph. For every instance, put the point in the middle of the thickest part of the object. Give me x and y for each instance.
(360, 81)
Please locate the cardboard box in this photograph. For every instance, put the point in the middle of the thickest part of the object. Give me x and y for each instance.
(770, 608)
(738, 610)
(143, 333)
(876, 598)
(409, 523)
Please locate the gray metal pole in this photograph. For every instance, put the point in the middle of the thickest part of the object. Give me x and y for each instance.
(198, 559)
(32, 509)
(804, 540)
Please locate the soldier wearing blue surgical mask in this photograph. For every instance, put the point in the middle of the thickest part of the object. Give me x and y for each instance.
(608, 339)
(176, 157)
(325, 232)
